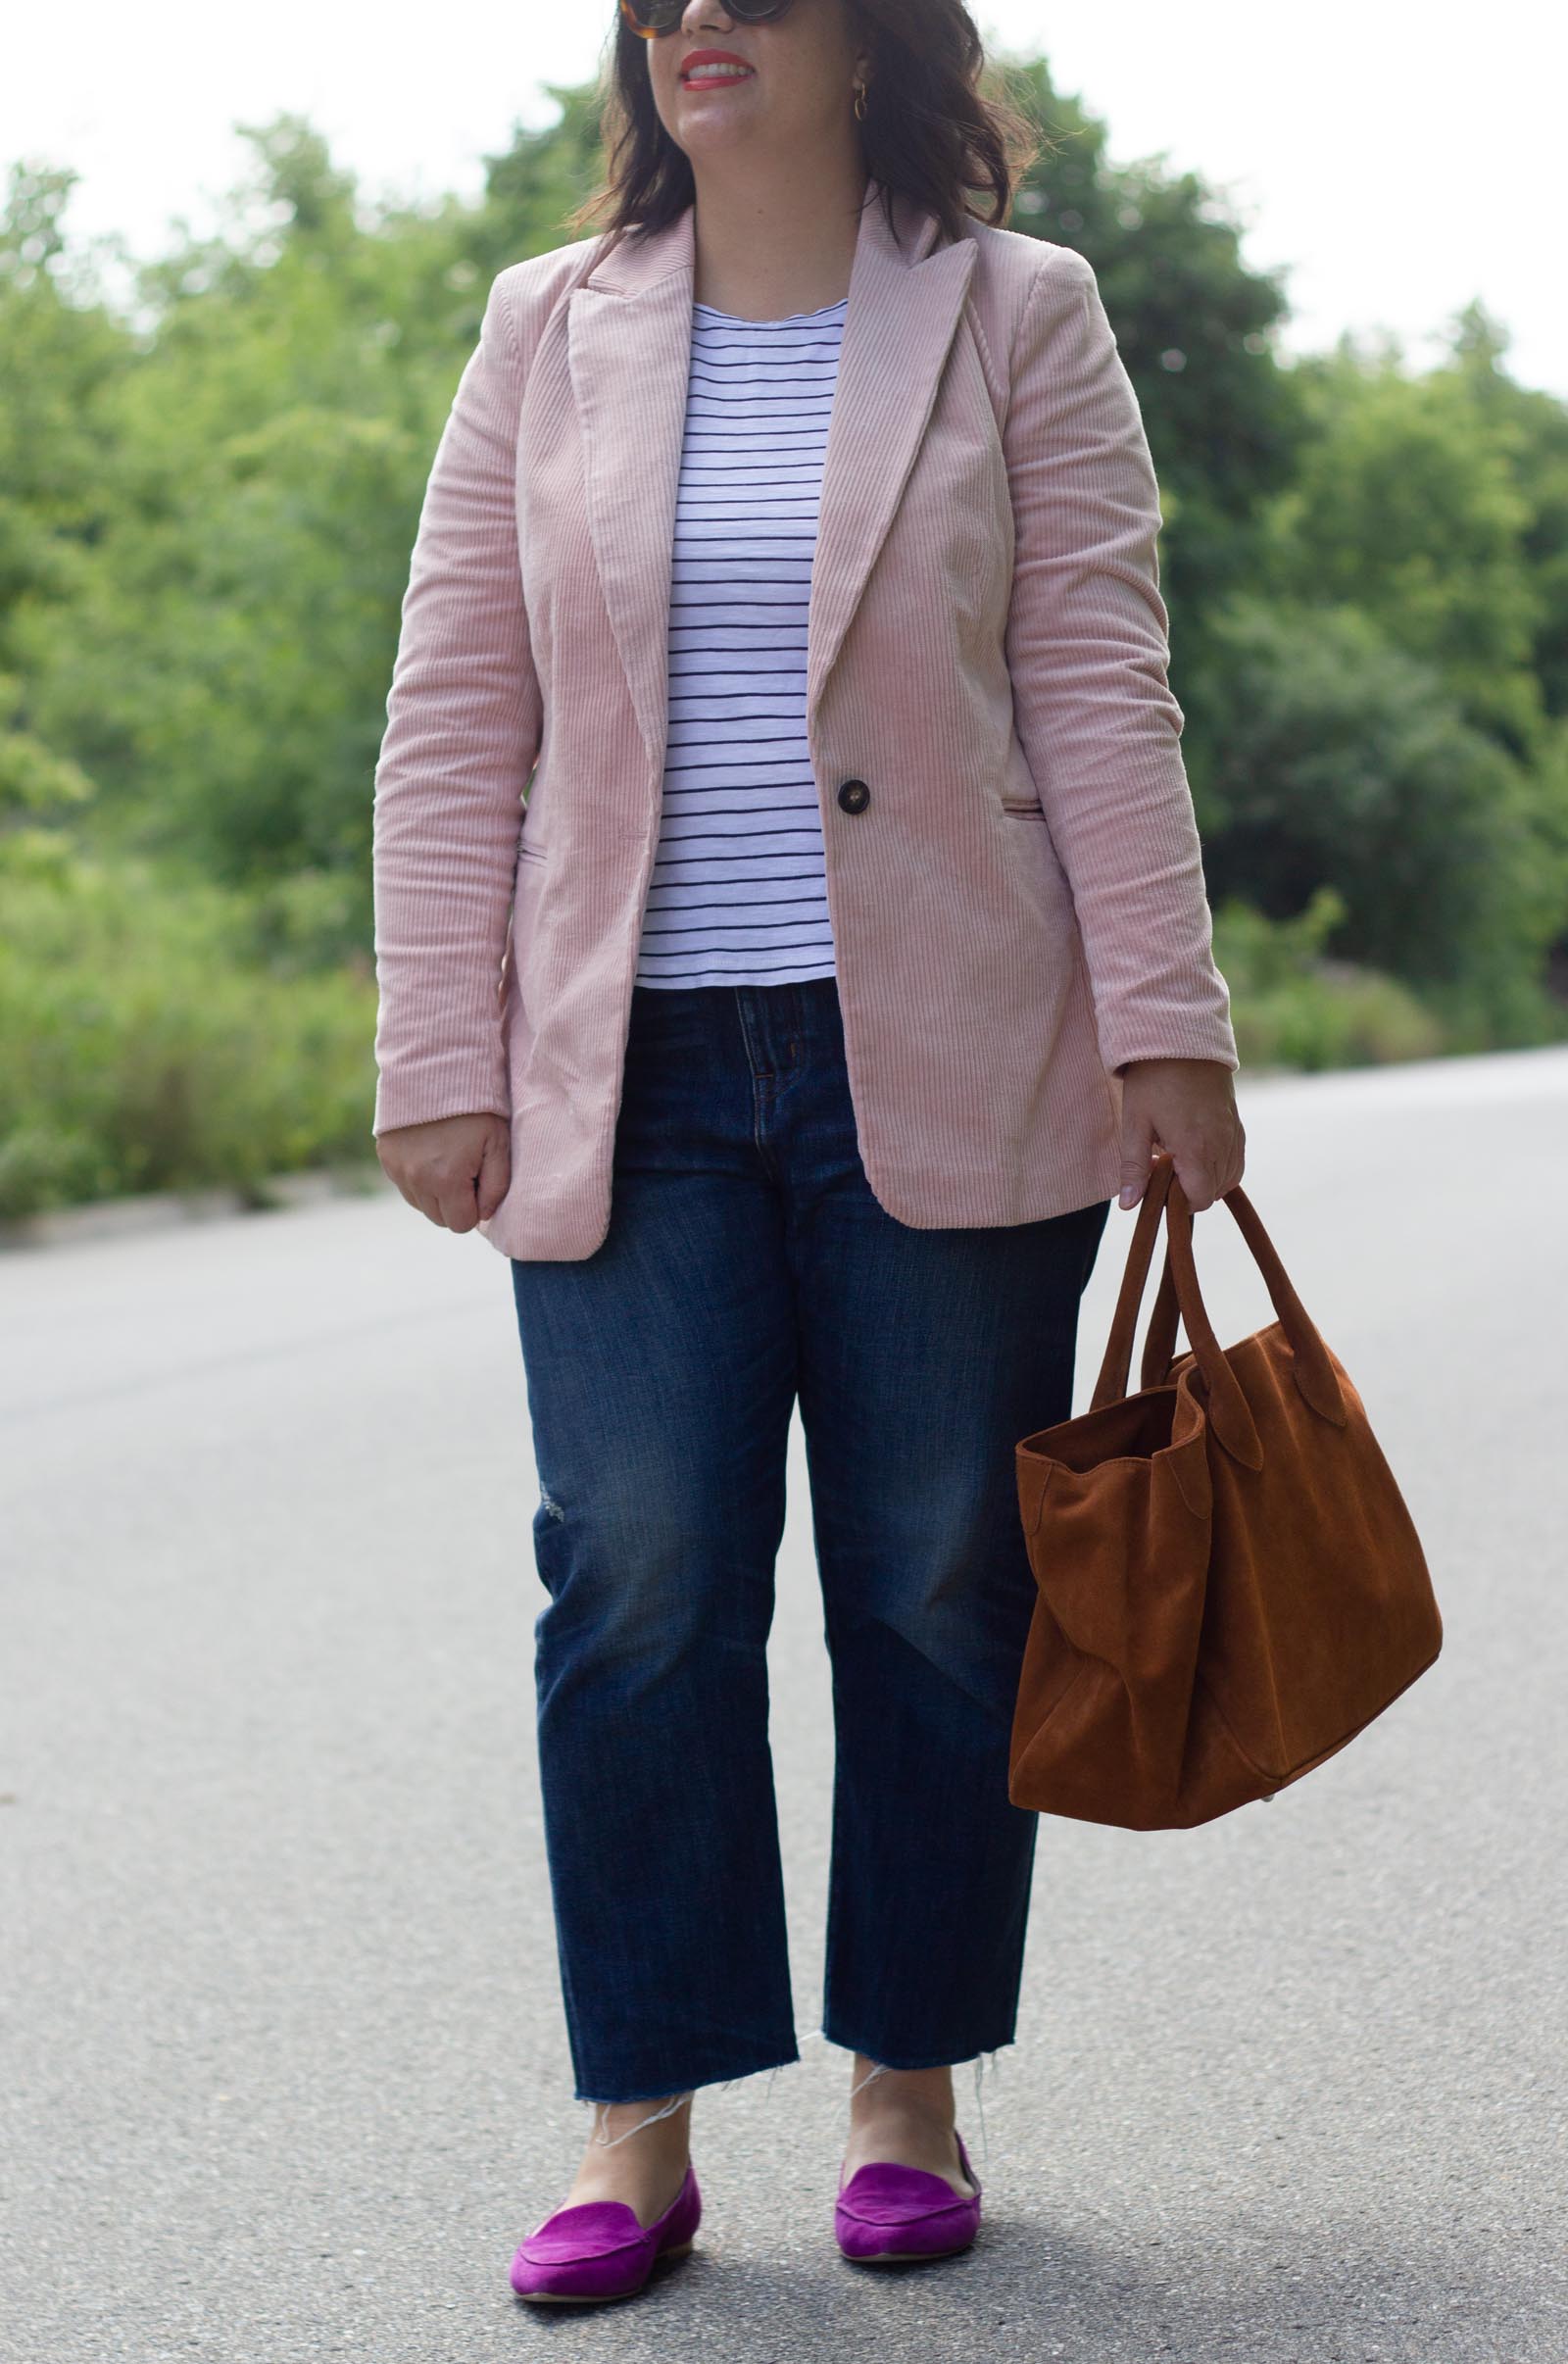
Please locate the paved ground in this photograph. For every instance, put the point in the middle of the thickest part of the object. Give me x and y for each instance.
(285, 2068)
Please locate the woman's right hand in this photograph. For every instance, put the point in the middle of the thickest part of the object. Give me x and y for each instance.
(455, 1169)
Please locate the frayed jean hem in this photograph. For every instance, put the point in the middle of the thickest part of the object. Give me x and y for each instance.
(693, 2085)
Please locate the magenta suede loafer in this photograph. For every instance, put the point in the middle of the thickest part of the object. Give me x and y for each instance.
(887, 2212)
(598, 2249)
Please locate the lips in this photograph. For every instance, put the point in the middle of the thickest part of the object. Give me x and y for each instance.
(738, 70)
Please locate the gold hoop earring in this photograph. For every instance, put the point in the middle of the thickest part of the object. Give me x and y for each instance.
(859, 102)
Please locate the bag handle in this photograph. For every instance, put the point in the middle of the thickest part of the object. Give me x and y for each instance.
(1114, 1371)
(1313, 1372)
(1159, 1339)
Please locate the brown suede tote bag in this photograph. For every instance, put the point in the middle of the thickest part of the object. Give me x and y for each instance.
(1230, 1585)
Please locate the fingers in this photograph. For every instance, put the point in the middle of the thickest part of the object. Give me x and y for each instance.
(1208, 1173)
(1197, 1182)
(1137, 1150)
(467, 1195)
(456, 1194)
(459, 1206)
(410, 1185)
(1204, 1143)
(495, 1171)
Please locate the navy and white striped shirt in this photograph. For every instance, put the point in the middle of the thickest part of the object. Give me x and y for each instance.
(738, 892)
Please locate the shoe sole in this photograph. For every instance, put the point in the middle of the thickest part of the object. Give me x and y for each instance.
(603, 2297)
(908, 2256)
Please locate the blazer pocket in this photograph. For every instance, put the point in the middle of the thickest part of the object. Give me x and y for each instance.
(528, 853)
(1017, 791)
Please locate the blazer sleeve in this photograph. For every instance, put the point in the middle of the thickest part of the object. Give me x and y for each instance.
(1088, 652)
(463, 717)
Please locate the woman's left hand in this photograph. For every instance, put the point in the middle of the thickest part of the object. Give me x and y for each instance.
(1188, 1108)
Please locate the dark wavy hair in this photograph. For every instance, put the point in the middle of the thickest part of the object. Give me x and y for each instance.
(938, 126)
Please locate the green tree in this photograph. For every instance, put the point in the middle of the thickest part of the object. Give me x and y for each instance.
(1196, 328)
(1407, 503)
(1338, 759)
(1529, 431)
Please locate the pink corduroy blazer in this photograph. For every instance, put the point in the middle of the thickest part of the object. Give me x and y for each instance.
(1018, 903)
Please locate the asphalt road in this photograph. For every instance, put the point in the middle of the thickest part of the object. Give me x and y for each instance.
(285, 2071)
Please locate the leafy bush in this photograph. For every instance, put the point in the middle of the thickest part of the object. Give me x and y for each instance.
(1293, 1007)
(1333, 758)
(138, 1053)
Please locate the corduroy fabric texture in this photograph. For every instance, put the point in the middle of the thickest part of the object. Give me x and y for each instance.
(1017, 893)
(1231, 1585)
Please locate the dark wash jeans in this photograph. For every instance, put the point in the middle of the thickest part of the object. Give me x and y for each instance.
(747, 1263)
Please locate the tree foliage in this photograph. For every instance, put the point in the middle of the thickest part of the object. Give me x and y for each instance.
(209, 496)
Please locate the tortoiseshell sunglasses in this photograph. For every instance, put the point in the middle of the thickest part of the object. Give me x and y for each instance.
(653, 18)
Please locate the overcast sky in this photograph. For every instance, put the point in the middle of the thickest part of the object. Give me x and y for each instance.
(1400, 161)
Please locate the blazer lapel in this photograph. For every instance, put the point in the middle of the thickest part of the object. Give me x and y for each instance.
(629, 352)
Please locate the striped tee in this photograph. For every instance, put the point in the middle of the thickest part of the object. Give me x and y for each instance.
(738, 892)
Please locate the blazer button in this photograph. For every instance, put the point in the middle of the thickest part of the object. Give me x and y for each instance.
(854, 796)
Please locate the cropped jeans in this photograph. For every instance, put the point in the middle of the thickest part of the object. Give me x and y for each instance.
(748, 1265)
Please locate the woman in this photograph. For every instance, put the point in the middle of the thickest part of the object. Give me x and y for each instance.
(796, 537)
